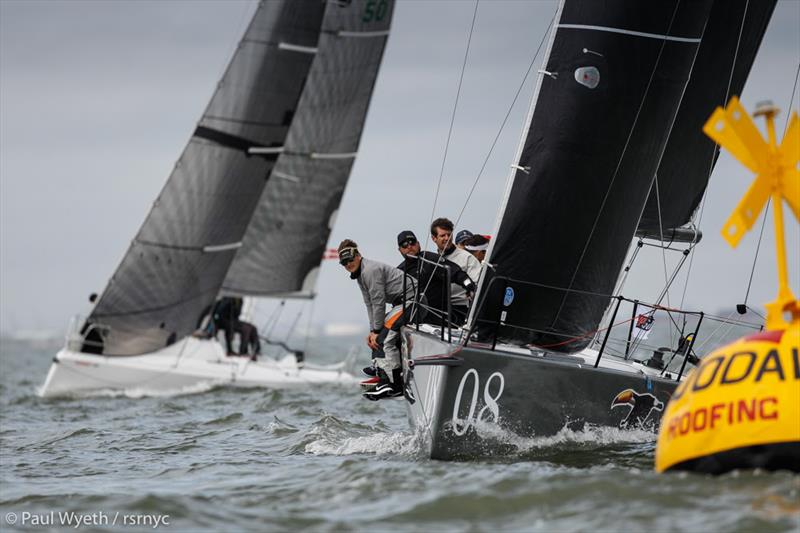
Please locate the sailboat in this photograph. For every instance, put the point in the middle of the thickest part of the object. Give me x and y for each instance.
(246, 211)
(612, 149)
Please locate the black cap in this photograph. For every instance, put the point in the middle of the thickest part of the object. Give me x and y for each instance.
(404, 236)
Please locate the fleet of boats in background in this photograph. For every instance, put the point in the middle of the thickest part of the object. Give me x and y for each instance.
(612, 154)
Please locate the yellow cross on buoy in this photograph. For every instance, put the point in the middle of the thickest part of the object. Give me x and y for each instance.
(777, 176)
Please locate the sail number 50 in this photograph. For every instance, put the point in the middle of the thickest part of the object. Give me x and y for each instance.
(375, 11)
(460, 426)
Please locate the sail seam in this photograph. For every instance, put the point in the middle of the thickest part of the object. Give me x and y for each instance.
(630, 32)
(246, 122)
(284, 176)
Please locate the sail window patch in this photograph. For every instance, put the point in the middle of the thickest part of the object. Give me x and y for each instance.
(297, 48)
(631, 32)
(587, 76)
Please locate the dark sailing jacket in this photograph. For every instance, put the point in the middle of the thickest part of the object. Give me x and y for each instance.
(431, 273)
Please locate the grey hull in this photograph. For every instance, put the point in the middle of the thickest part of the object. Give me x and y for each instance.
(467, 401)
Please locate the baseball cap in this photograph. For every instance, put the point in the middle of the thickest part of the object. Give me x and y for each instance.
(406, 237)
(463, 235)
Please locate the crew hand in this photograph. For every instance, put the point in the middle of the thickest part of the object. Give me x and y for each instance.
(470, 287)
(372, 341)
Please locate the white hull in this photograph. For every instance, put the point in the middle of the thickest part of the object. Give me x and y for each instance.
(186, 365)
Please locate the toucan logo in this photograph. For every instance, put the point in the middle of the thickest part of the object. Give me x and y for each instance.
(641, 407)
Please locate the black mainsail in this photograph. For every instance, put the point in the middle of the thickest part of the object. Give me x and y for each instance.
(175, 267)
(285, 241)
(732, 37)
(609, 93)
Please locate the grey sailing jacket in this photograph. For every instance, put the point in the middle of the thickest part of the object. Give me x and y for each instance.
(381, 284)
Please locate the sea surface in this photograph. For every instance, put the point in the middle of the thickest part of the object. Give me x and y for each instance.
(323, 459)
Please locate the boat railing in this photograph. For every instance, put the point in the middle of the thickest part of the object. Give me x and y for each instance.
(639, 330)
(81, 335)
(443, 313)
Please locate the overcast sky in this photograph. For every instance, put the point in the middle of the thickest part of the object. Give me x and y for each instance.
(98, 99)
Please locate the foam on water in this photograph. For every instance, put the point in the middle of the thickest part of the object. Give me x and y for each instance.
(589, 434)
(399, 443)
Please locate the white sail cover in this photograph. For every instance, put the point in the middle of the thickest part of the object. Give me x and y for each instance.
(176, 263)
(287, 236)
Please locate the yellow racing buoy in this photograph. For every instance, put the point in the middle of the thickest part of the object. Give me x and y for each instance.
(740, 408)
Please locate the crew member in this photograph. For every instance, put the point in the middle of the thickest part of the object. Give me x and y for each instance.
(461, 238)
(381, 284)
(226, 318)
(431, 272)
(477, 246)
(441, 234)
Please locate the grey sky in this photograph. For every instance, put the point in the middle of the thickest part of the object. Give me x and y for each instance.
(97, 100)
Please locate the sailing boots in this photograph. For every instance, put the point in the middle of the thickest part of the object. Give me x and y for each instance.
(386, 388)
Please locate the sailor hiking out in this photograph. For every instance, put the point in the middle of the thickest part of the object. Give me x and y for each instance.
(382, 284)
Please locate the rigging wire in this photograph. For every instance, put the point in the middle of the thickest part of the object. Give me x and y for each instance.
(308, 327)
(279, 311)
(505, 120)
(496, 138)
(769, 200)
(755, 256)
(455, 107)
(667, 281)
(715, 150)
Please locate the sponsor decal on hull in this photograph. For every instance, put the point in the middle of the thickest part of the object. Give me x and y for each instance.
(641, 406)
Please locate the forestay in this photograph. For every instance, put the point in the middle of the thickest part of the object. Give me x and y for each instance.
(286, 238)
(176, 263)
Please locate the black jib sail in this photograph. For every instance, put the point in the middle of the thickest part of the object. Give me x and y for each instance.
(285, 241)
(730, 42)
(608, 95)
(175, 266)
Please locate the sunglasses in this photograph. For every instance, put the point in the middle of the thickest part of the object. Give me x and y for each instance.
(345, 262)
(407, 243)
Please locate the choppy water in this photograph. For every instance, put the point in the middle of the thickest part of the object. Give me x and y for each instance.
(325, 460)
